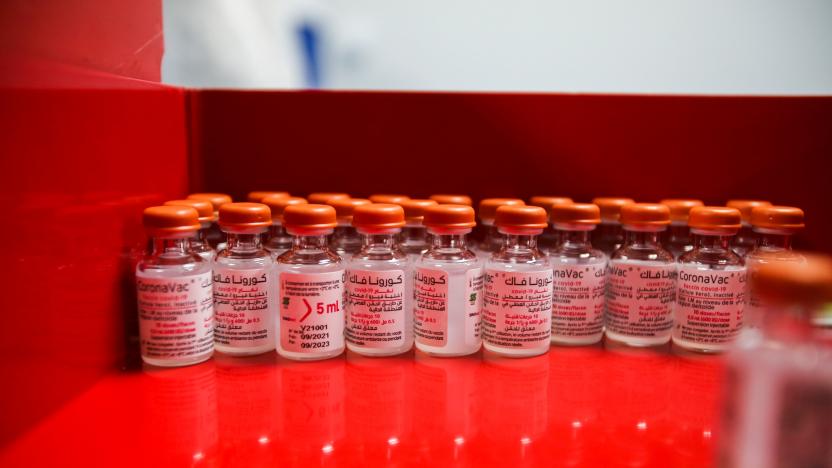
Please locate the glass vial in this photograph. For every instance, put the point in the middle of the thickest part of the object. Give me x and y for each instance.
(549, 240)
(345, 241)
(775, 226)
(641, 279)
(216, 239)
(677, 239)
(491, 240)
(413, 240)
(447, 287)
(244, 298)
(609, 235)
(379, 285)
(745, 240)
(517, 307)
(278, 240)
(580, 276)
(710, 288)
(173, 285)
(199, 242)
(311, 287)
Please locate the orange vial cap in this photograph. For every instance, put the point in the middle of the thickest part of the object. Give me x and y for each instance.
(388, 198)
(521, 219)
(344, 207)
(715, 218)
(488, 207)
(216, 199)
(245, 217)
(781, 218)
(746, 206)
(647, 216)
(277, 204)
(611, 207)
(548, 202)
(311, 219)
(451, 199)
(449, 217)
(680, 207)
(320, 198)
(414, 209)
(378, 217)
(258, 195)
(795, 282)
(203, 207)
(170, 221)
(582, 214)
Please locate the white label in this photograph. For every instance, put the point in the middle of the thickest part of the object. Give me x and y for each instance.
(430, 307)
(640, 299)
(709, 304)
(176, 316)
(473, 305)
(578, 299)
(517, 308)
(241, 302)
(311, 311)
(375, 308)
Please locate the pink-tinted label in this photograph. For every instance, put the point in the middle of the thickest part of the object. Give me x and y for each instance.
(375, 308)
(517, 308)
(709, 304)
(243, 307)
(473, 305)
(311, 311)
(430, 306)
(578, 299)
(176, 316)
(640, 298)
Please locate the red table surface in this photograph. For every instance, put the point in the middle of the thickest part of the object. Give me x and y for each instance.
(586, 406)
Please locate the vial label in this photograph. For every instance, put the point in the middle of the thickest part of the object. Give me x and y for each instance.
(241, 303)
(375, 308)
(311, 311)
(176, 316)
(517, 308)
(709, 304)
(640, 298)
(430, 306)
(578, 299)
(473, 305)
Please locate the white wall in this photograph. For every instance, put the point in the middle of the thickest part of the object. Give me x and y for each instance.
(643, 46)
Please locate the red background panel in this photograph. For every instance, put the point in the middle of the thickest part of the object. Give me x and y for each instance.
(646, 147)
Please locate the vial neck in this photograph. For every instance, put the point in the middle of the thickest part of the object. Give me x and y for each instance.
(243, 242)
(448, 242)
(712, 243)
(678, 232)
(775, 241)
(642, 239)
(163, 246)
(378, 242)
(413, 234)
(277, 230)
(201, 238)
(574, 240)
(309, 243)
(519, 243)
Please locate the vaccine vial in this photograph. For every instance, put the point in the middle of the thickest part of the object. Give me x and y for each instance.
(345, 240)
(452, 199)
(199, 242)
(173, 286)
(278, 240)
(745, 240)
(258, 195)
(216, 239)
(677, 239)
(391, 198)
(413, 240)
(244, 298)
(379, 285)
(609, 235)
(641, 279)
(775, 226)
(311, 285)
(492, 240)
(710, 289)
(321, 198)
(447, 287)
(517, 306)
(580, 276)
(549, 240)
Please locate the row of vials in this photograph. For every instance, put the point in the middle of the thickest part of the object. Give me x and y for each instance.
(378, 275)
